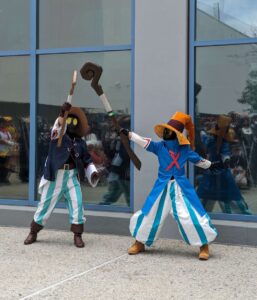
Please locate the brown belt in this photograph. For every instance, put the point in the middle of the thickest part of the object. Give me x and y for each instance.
(67, 167)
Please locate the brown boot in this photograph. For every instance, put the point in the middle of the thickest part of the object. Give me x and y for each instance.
(204, 252)
(34, 229)
(78, 229)
(136, 248)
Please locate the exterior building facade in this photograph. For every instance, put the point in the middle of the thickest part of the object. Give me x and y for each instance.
(194, 56)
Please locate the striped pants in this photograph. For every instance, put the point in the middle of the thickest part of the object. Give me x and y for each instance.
(194, 229)
(66, 185)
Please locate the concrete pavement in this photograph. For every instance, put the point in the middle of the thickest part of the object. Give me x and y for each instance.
(53, 268)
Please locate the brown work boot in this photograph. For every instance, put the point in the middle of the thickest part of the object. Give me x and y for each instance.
(204, 252)
(78, 242)
(136, 248)
(34, 229)
(78, 229)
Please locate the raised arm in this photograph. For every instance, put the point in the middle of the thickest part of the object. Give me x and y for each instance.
(56, 130)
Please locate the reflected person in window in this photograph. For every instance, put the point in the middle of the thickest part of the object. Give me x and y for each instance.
(119, 170)
(220, 186)
(172, 192)
(64, 167)
(7, 145)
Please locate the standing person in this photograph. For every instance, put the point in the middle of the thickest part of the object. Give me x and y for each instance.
(7, 144)
(119, 171)
(64, 167)
(221, 186)
(253, 152)
(118, 177)
(172, 192)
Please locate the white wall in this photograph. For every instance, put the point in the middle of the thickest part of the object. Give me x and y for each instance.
(160, 77)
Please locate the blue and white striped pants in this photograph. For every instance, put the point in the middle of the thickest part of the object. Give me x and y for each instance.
(194, 229)
(66, 185)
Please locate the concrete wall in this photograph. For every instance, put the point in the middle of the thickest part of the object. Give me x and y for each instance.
(160, 76)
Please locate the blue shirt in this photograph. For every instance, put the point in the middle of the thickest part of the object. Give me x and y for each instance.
(173, 166)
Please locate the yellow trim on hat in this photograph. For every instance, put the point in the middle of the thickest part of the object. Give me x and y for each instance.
(181, 138)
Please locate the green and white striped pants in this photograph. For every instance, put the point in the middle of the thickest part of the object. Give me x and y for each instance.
(66, 185)
(195, 230)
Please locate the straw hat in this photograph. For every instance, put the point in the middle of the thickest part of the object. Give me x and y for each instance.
(83, 127)
(222, 129)
(177, 123)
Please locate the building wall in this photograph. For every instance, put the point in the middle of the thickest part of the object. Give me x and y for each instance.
(160, 81)
(160, 77)
(160, 89)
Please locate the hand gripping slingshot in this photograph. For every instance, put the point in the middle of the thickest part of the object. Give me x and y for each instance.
(91, 71)
(69, 98)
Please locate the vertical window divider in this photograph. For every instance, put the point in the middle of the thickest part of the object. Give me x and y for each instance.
(193, 44)
(191, 71)
(132, 95)
(33, 123)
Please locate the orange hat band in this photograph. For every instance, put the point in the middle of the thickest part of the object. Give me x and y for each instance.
(176, 124)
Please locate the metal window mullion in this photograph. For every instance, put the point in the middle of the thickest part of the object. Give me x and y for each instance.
(97, 207)
(225, 42)
(132, 98)
(33, 125)
(191, 71)
(84, 49)
(14, 53)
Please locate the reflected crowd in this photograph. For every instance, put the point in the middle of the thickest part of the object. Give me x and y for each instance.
(232, 140)
(14, 149)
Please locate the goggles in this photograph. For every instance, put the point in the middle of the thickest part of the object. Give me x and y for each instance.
(70, 120)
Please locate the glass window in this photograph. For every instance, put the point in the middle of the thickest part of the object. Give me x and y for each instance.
(77, 23)
(14, 127)
(55, 72)
(225, 19)
(14, 24)
(226, 123)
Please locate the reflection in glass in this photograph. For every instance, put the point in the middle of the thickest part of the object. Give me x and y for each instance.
(65, 23)
(14, 25)
(118, 165)
(225, 19)
(14, 127)
(226, 123)
(103, 143)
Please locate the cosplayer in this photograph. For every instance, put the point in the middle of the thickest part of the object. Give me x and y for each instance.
(221, 186)
(172, 192)
(65, 166)
(119, 171)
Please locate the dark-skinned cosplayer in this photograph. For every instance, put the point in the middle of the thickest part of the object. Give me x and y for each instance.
(65, 167)
(172, 192)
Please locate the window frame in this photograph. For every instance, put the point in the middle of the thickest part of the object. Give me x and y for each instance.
(33, 52)
(193, 44)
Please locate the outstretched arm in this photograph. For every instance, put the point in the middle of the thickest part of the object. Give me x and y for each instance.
(143, 142)
(56, 130)
(199, 161)
(136, 138)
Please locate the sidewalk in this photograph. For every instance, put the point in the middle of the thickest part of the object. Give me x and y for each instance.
(53, 268)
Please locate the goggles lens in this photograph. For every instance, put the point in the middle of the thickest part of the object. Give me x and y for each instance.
(75, 122)
(68, 121)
